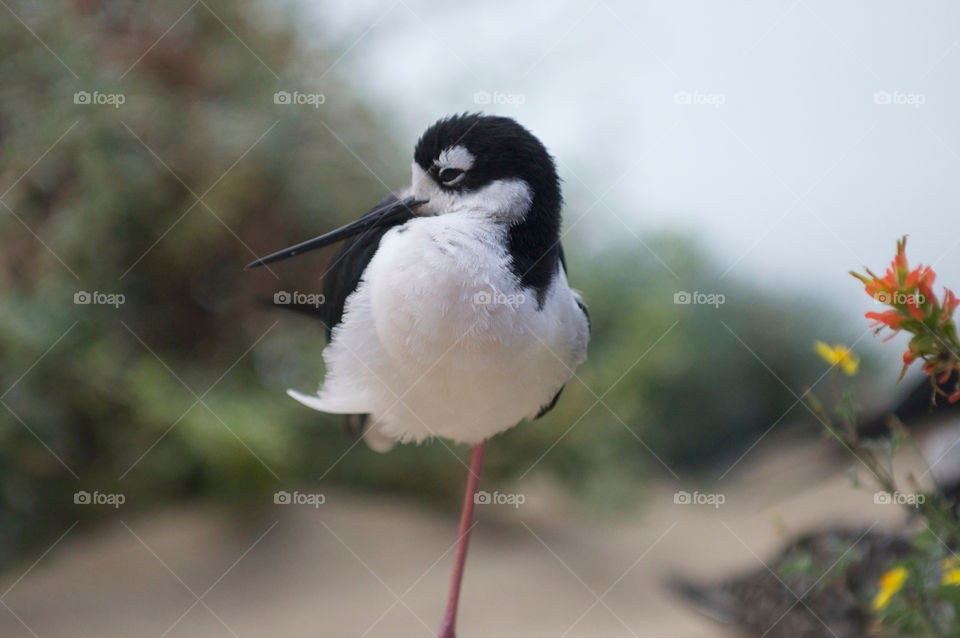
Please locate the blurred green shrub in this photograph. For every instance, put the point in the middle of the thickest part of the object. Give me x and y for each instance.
(113, 405)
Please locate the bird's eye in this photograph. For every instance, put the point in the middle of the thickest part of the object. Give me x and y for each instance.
(450, 175)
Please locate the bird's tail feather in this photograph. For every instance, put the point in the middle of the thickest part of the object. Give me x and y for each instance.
(357, 424)
(323, 404)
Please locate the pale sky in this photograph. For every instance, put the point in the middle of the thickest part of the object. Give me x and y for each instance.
(756, 126)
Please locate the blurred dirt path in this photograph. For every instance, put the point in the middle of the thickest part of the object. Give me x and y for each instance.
(363, 566)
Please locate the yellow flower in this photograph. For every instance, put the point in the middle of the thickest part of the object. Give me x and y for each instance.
(951, 571)
(890, 583)
(838, 355)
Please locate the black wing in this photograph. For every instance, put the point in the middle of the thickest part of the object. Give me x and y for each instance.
(583, 308)
(347, 266)
(344, 272)
(340, 281)
(550, 405)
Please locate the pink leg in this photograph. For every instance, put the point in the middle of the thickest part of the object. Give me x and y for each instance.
(466, 522)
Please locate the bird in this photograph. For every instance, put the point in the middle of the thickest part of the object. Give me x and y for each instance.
(447, 307)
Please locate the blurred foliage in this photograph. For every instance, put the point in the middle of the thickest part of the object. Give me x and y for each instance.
(179, 391)
(918, 596)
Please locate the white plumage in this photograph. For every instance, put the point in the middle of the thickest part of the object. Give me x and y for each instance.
(438, 340)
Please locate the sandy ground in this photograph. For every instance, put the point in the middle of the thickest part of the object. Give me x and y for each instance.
(365, 566)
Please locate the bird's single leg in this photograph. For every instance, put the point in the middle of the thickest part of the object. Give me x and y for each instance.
(447, 629)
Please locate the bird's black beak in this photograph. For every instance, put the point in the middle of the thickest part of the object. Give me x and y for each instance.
(392, 213)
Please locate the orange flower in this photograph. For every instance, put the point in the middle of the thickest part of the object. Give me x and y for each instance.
(950, 303)
(914, 308)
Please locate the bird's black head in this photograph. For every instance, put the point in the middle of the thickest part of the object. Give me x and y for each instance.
(476, 164)
(465, 154)
(493, 165)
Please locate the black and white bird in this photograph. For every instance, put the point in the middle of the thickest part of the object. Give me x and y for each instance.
(447, 307)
